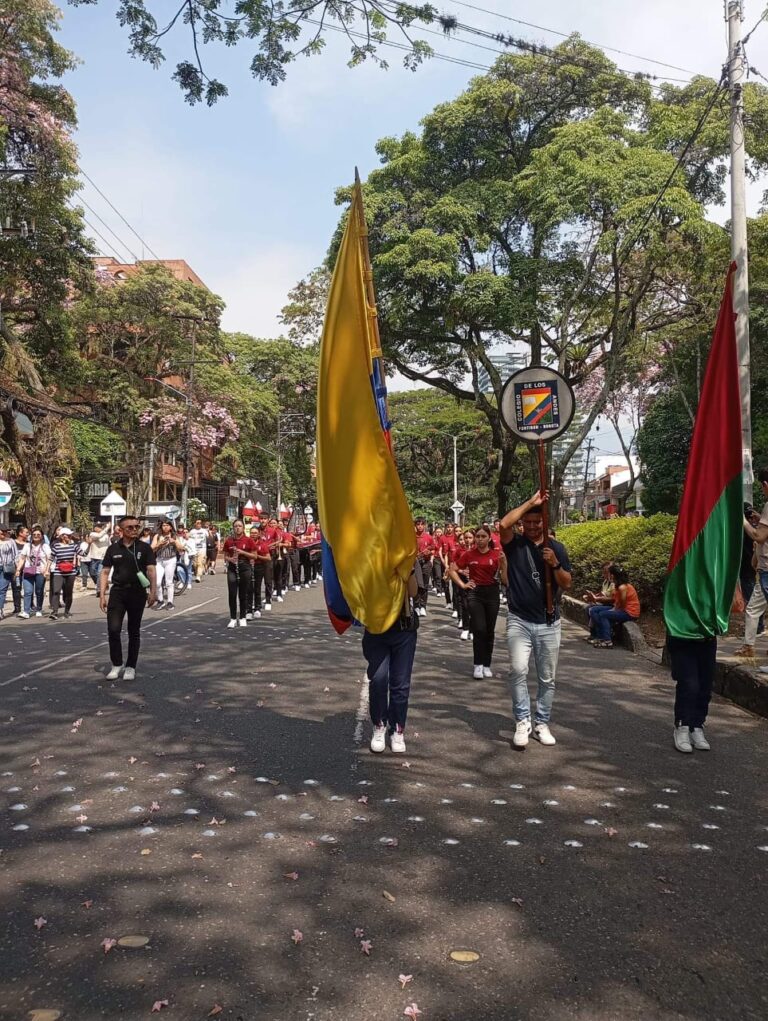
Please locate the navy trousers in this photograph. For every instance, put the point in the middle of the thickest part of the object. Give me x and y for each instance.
(390, 662)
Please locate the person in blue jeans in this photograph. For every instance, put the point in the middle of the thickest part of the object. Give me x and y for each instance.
(9, 553)
(33, 568)
(626, 606)
(390, 658)
(528, 629)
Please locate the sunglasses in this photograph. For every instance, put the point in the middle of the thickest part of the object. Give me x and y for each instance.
(130, 528)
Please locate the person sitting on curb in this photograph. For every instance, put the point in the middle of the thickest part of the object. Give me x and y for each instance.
(602, 598)
(626, 606)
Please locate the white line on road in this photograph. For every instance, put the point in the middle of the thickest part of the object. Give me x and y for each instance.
(99, 645)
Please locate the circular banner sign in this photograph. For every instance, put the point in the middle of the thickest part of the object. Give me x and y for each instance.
(5, 493)
(537, 404)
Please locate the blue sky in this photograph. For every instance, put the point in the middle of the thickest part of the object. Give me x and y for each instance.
(244, 191)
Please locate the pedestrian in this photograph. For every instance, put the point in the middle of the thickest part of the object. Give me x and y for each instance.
(64, 565)
(528, 628)
(446, 549)
(83, 559)
(436, 580)
(100, 541)
(199, 536)
(426, 548)
(167, 547)
(133, 588)
(602, 598)
(239, 555)
(273, 533)
(33, 568)
(482, 564)
(146, 535)
(756, 532)
(212, 548)
(262, 563)
(390, 665)
(626, 606)
(8, 557)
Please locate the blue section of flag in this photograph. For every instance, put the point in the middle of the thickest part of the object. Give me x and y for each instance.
(338, 611)
(379, 386)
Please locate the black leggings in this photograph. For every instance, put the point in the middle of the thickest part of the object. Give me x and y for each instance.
(693, 670)
(483, 610)
(121, 601)
(62, 587)
(238, 586)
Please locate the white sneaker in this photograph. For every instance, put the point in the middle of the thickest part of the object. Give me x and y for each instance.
(267, 606)
(114, 673)
(297, 588)
(698, 740)
(423, 611)
(232, 623)
(379, 739)
(249, 616)
(319, 577)
(38, 613)
(522, 730)
(187, 588)
(397, 742)
(543, 734)
(23, 615)
(464, 636)
(129, 674)
(257, 614)
(243, 622)
(682, 739)
(306, 586)
(455, 614)
(487, 672)
(477, 673)
(280, 599)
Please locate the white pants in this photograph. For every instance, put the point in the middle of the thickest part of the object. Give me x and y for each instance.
(755, 609)
(166, 571)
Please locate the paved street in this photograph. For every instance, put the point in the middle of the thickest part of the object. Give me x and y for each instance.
(249, 744)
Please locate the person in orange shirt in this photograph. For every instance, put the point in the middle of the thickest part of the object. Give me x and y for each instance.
(626, 606)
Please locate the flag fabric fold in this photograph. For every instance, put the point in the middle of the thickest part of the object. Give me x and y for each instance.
(706, 553)
(369, 545)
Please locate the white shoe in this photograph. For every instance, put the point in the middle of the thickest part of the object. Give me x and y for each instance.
(243, 622)
(522, 730)
(23, 615)
(257, 614)
(280, 599)
(189, 586)
(319, 577)
(114, 673)
(129, 674)
(397, 742)
(267, 606)
(297, 588)
(543, 734)
(38, 613)
(379, 739)
(423, 611)
(698, 740)
(477, 673)
(232, 623)
(249, 616)
(306, 586)
(455, 614)
(682, 739)
(464, 636)
(487, 672)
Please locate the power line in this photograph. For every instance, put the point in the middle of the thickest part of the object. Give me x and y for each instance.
(105, 224)
(114, 209)
(98, 234)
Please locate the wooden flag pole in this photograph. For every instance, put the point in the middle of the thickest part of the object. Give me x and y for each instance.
(544, 487)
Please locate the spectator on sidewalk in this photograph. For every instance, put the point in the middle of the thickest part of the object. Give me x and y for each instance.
(83, 558)
(757, 533)
(9, 554)
(626, 606)
(99, 544)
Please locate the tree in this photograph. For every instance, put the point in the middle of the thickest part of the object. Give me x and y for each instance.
(44, 258)
(304, 314)
(554, 206)
(663, 444)
(281, 30)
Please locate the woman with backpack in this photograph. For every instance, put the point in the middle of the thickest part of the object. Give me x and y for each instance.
(33, 568)
(64, 564)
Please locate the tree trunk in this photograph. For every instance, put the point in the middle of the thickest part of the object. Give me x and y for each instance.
(38, 458)
(504, 480)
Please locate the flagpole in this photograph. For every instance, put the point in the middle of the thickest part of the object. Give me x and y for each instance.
(369, 290)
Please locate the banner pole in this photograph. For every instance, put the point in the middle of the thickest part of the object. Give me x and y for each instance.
(544, 488)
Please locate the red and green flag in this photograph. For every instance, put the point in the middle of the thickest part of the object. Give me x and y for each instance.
(706, 553)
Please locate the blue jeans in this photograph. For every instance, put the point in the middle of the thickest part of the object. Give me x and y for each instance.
(184, 573)
(6, 582)
(94, 569)
(602, 617)
(543, 640)
(390, 662)
(33, 593)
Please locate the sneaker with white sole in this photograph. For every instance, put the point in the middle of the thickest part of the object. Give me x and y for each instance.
(249, 616)
(698, 740)
(129, 674)
(280, 599)
(682, 738)
(379, 739)
(464, 636)
(455, 614)
(232, 623)
(114, 673)
(23, 615)
(477, 672)
(522, 733)
(487, 672)
(543, 734)
(423, 611)
(397, 742)
(257, 614)
(243, 622)
(297, 588)
(267, 606)
(38, 613)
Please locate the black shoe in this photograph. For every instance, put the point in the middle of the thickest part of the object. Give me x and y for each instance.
(67, 614)
(53, 616)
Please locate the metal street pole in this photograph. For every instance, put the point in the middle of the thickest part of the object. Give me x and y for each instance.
(737, 67)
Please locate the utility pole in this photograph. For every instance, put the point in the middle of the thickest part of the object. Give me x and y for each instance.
(455, 473)
(586, 476)
(188, 433)
(737, 67)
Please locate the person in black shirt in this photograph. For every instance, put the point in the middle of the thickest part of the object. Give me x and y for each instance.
(528, 630)
(134, 586)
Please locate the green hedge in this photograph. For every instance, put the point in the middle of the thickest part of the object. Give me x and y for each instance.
(641, 545)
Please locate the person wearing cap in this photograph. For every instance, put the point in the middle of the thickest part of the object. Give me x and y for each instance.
(64, 563)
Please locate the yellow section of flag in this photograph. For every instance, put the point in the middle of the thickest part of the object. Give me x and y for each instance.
(364, 514)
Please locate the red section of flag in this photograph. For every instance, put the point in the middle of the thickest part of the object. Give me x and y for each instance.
(716, 454)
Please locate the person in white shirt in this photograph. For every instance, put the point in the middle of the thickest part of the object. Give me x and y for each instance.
(99, 544)
(34, 567)
(199, 535)
(186, 560)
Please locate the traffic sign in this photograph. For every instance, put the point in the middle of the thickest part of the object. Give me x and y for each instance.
(113, 505)
(457, 507)
(5, 493)
(537, 404)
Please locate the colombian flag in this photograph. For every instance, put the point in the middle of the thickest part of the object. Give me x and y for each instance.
(706, 552)
(369, 544)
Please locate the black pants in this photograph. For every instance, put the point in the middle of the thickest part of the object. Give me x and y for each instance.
(293, 562)
(62, 587)
(483, 604)
(693, 670)
(305, 562)
(277, 575)
(423, 573)
(461, 604)
(437, 573)
(238, 587)
(121, 601)
(257, 579)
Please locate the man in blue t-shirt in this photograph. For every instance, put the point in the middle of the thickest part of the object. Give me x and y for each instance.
(528, 630)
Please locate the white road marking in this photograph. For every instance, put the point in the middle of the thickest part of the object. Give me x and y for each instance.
(99, 645)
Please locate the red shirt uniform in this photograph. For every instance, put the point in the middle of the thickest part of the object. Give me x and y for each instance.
(481, 567)
(448, 545)
(263, 547)
(243, 542)
(270, 534)
(496, 540)
(426, 544)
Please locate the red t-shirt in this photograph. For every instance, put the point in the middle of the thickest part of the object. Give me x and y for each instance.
(496, 539)
(244, 543)
(270, 534)
(288, 539)
(426, 544)
(481, 567)
(448, 544)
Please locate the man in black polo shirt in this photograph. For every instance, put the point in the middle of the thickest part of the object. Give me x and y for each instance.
(528, 630)
(134, 586)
